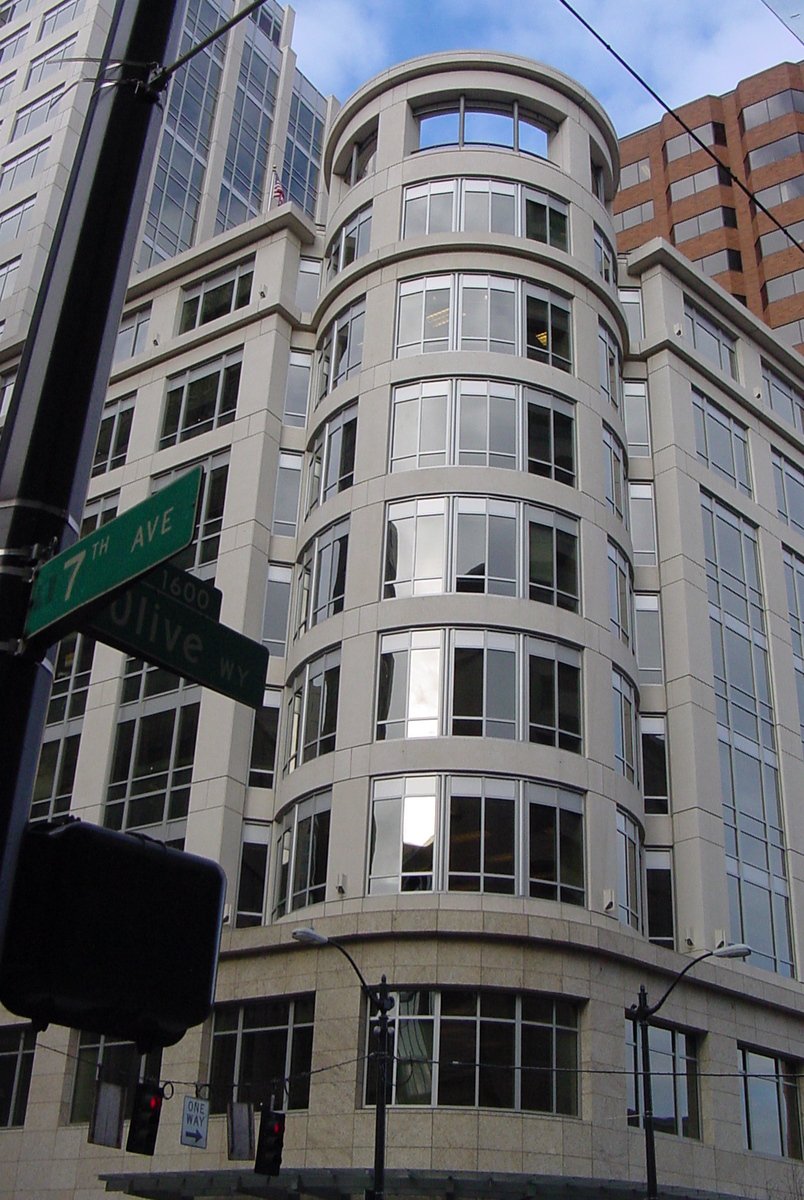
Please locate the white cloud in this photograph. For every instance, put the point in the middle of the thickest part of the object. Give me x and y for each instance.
(341, 43)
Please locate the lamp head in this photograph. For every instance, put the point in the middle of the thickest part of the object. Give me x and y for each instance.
(310, 937)
(737, 950)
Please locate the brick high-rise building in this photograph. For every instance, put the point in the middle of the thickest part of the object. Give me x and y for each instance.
(670, 187)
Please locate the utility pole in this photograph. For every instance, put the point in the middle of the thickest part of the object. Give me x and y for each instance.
(47, 446)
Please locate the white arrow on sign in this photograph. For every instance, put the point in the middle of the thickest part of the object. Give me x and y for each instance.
(194, 1122)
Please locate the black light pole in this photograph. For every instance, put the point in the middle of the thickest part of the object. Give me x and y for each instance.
(381, 1002)
(642, 1012)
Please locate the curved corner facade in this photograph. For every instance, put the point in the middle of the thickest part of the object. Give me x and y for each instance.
(522, 529)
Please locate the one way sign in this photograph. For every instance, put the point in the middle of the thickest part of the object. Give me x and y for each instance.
(194, 1122)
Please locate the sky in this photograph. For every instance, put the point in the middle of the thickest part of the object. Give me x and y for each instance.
(682, 48)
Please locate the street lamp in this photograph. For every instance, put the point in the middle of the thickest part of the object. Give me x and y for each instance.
(381, 1002)
(642, 1012)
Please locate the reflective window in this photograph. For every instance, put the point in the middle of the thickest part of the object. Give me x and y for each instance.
(8, 280)
(780, 193)
(629, 871)
(297, 388)
(410, 680)
(51, 61)
(302, 849)
(633, 173)
(554, 695)
(15, 221)
(794, 578)
(286, 496)
(277, 605)
(203, 398)
(12, 45)
(690, 185)
(625, 720)
(485, 206)
(781, 286)
(307, 283)
(674, 1078)
(649, 639)
(609, 366)
(340, 351)
(605, 257)
(312, 710)
(722, 442)
(350, 242)
(616, 468)
(321, 577)
(261, 1049)
(132, 336)
(482, 1049)
(24, 167)
(115, 429)
(470, 122)
(621, 594)
(773, 152)
(791, 100)
(637, 214)
(721, 260)
(484, 684)
(792, 334)
(331, 466)
(752, 808)
(363, 159)
(637, 417)
(710, 339)
(36, 113)
(58, 16)
(713, 133)
(771, 1113)
(202, 553)
(789, 480)
(713, 218)
(17, 1045)
(642, 523)
(780, 239)
(304, 145)
(653, 734)
(104, 1058)
(215, 297)
(631, 300)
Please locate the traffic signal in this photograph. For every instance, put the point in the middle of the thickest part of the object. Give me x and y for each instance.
(145, 1116)
(270, 1142)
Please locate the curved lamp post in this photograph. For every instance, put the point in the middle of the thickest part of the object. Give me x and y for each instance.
(642, 1012)
(381, 1002)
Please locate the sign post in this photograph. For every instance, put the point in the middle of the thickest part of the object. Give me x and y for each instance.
(113, 554)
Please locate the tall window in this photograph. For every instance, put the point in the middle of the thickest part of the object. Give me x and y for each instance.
(752, 813)
(615, 464)
(201, 399)
(262, 764)
(722, 442)
(286, 496)
(115, 430)
(637, 417)
(609, 366)
(794, 578)
(674, 1076)
(321, 578)
(605, 257)
(629, 871)
(332, 458)
(253, 876)
(642, 523)
(304, 145)
(472, 122)
(710, 339)
(262, 1049)
(771, 1112)
(655, 783)
(659, 897)
(297, 388)
(106, 1058)
(277, 606)
(215, 297)
(202, 553)
(17, 1045)
(312, 711)
(488, 1049)
(339, 353)
(624, 718)
(789, 480)
(650, 659)
(350, 242)
(621, 594)
(302, 848)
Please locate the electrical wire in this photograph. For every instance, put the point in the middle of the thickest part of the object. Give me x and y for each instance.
(691, 132)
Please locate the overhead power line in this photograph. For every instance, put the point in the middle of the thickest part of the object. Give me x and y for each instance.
(651, 92)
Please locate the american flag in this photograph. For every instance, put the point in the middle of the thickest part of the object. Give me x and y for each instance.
(279, 191)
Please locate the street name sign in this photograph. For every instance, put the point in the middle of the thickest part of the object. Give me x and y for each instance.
(115, 553)
(195, 1122)
(149, 622)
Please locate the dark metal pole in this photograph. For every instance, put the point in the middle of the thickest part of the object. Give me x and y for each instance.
(47, 445)
(641, 1014)
(383, 1003)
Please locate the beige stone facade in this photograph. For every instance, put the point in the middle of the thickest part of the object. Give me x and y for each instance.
(489, 665)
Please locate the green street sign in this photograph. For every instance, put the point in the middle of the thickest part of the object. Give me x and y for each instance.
(151, 623)
(113, 554)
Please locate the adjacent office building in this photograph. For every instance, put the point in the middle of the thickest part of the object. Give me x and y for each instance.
(522, 525)
(671, 188)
